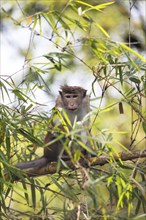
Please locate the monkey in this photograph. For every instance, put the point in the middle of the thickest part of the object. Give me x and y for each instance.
(76, 104)
(74, 101)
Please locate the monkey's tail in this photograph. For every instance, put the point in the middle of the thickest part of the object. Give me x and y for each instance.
(38, 163)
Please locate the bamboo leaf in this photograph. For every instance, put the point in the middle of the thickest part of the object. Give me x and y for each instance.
(132, 51)
(33, 193)
(29, 20)
(19, 94)
(135, 79)
(84, 146)
(121, 110)
(144, 126)
(25, 192)
(103, 30)
(30, 137)
(96, 7)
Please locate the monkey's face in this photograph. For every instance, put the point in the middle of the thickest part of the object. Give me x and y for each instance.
(72, 101)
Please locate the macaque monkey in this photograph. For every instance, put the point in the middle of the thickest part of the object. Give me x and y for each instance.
(74, 101)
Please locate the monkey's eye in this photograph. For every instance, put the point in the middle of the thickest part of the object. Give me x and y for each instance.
(75, 96)
(68, 96)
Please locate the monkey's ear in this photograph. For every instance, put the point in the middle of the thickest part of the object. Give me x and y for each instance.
(84, 93)
(60, 92)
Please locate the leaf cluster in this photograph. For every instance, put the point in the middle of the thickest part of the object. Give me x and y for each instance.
(75, 40)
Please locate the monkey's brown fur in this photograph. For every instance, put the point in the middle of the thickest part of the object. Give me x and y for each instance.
(75, 103)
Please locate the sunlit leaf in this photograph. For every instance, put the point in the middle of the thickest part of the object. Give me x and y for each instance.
(132, 51)
(103, 30)
(29, 20)
(30, 137)
(96, 7)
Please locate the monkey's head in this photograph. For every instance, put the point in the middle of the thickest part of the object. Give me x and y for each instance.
(72, 97)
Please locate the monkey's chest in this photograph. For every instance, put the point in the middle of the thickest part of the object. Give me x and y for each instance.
(75, 116)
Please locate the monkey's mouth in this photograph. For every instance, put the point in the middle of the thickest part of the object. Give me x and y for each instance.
(73, 109)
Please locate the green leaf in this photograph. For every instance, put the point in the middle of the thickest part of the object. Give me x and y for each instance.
(25, 191)
(121, 110)
(30, 137)
(121, 75)
(102, 29)
(51, 21)
(8, 143)
(34, 22)
(64, 24)
(96, 7)
(19, 94)
(84, 146)
(5, 89)
(40, 23)
(144, 126)
(135, 79)
(3, 205)
(130, 93)
(33, 193)
(132, 51)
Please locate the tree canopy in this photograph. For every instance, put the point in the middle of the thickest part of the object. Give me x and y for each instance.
(99, 45)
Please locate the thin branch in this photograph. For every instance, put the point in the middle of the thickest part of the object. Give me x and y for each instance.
(52, 168)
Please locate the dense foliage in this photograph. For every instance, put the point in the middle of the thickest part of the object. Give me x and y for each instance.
(77, 38)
